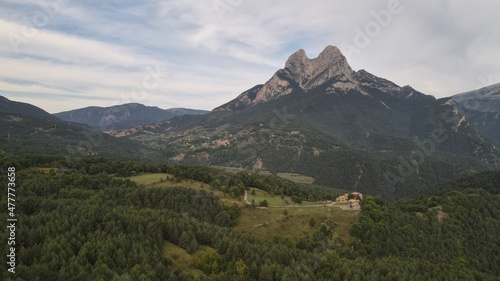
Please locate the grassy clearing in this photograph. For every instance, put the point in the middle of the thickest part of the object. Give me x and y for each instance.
(155, 181)
(275, 200)
(260, 195)
(229, 169)
(236, 170)
(47, 170)
(297, 178)
(180, 258)
(223, 197)
(309, 203)
(265, 224)
(148, 179)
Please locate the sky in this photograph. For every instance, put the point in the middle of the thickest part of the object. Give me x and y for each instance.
(62, 55)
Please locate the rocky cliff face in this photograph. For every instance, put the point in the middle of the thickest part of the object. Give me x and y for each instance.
(481, 108)
(311, 73)
(300, 74)
(329, 72)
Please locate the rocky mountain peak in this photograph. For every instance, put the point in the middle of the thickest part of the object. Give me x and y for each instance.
(309, 73)
(297, 61)
(301, 74)
(329, 73)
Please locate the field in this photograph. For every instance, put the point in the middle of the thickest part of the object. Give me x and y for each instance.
(261, 195)
(155, 181)
(267, 223)
(276, 200)
(148, 179)
(297, 178)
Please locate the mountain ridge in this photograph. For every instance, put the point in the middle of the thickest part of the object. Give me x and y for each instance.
(329, 70)
(123, 116)
(26, 109)
(481, 108)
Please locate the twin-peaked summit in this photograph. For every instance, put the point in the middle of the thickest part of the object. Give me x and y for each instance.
(300, 74)
(329, 72)
(310, 73)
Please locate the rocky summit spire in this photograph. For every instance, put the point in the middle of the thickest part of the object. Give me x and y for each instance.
(329, 67)
(309, 73)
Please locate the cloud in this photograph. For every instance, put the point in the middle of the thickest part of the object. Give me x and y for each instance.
(98, 52)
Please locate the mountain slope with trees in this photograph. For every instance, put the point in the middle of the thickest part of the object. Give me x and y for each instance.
(21, 134)
(14, 107)
(79, 223)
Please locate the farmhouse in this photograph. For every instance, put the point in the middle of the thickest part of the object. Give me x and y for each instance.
(346, 198)
(353, 203)
(357, 195)
(342, 199)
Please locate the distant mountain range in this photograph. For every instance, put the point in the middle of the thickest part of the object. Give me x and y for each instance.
(123, 116)
(348, 129)
(25, 128)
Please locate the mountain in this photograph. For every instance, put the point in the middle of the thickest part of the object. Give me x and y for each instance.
(14, 107)
(123, 116)
(329, 73)
(347, 129)
(25, 128)
(481, 108)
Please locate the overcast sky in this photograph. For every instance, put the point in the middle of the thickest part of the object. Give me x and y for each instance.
(62, 55)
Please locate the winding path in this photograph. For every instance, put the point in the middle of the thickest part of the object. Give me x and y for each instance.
(246, 198)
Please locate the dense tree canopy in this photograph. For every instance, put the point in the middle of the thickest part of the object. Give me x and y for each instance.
(80, 221)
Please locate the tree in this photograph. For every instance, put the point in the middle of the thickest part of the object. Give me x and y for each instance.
(312, 222)
(263, 203)
(215, 184)
(185, 239)
(297, 199)
(241, 268)
(207, 259)
(266, 273)
(123, 172)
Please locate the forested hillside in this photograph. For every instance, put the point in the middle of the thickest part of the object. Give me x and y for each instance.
(450, 236)
(22, 134)
(81, 221)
